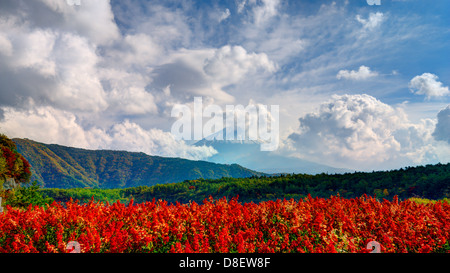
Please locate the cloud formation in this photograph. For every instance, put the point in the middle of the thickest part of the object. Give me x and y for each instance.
(70, 77)
(362, 73)
(224, 15)
(442, 130)
(359, 128)
(373, 21)
(232, 63)
(49, 125)
(208, 72)
(106, 73)
(427, 84)
(265, 11)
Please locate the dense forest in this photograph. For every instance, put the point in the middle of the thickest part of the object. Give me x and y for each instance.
(57, 166)
(431, 182)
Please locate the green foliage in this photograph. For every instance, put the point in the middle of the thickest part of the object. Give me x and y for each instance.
(427, 201)
(434, 183)
(25, 196)
(7, 142)
(85, 195)
(12, 163)
(56, 166)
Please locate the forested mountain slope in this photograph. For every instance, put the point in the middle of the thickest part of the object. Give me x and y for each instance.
(56, 166)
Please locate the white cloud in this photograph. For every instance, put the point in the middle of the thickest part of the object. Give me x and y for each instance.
(168, 27)
(49, 125)
(262, 13)
(44, 124)
(363, 73)
(374, 20)
(268, 30)
(241, 5)
(32, 49)
(427, 84)
(232, 63)
(77, 83)
(361, 131)
(141, 49)
(92, 19)
(56, 68)
(131, 101)
(281, 41)
(131, 137)
(224, 15)
(184, 72)
(207, 72)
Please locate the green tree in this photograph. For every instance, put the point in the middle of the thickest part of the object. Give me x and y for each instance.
(12, 163)
(25, 196)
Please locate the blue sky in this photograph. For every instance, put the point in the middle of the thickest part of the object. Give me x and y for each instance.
(359, 86)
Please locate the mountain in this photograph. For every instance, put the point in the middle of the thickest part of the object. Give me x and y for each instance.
(56, 166)
(247, 153)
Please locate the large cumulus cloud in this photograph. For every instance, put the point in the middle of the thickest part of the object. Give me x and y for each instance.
(70, 77)
(51, 58)
(352, 129)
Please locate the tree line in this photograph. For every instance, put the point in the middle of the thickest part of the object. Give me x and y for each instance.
(429, 182)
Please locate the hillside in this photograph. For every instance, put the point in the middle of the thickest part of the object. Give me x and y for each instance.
(56, 166)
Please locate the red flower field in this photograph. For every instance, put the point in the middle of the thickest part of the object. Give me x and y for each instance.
(309, 225)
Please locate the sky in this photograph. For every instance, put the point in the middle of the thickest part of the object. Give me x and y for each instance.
(358, 86)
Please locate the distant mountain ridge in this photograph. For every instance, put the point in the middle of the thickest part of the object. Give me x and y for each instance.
(248, 154)
(57, 166)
